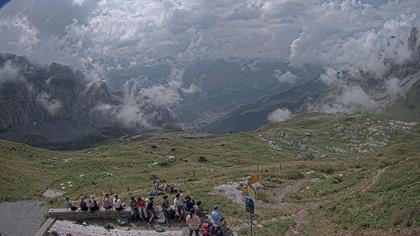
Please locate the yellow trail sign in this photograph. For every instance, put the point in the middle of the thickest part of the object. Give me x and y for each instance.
(255, 178)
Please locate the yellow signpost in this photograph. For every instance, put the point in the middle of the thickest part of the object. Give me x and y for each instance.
(254, 178)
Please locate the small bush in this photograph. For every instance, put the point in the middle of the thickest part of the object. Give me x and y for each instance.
(357, 166)
(295, 175)
(202, 159)
(327, 169)
(164, 164)
(336, 180)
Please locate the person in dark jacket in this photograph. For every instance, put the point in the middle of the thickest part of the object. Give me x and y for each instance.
(83, 206)
(93, 204)
(134, 209)
(189, 203)
(166, 208)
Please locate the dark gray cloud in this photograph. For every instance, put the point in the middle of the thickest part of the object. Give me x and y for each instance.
(117, 31)
(98, 36)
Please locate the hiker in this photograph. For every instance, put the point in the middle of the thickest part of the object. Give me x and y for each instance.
(69, 205)
(179, 207)
(215, 230)
(141, 204)
(117, 203)
(93, 204)
(193, 222)
(83, 205)
(205, 227)
(157, 189)
(135, 214)
(189, 203)
(199, 209)
(216, 216)
(166, 208)
(107, 204)
(150, 208)
(170, 188)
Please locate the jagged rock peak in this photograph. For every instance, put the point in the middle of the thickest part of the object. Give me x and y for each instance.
(413, 44)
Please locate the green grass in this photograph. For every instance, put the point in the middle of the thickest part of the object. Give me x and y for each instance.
(273, 228)
(127, 168)
(295, 175)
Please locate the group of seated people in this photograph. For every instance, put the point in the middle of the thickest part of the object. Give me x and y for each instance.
(147, 210)
(91, 205)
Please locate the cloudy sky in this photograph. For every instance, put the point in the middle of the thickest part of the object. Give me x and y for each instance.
(103, 34)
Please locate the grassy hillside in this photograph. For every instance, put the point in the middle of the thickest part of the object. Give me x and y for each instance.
(322, 174)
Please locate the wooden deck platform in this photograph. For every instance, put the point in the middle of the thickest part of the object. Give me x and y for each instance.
(65, 214)
(63, 227)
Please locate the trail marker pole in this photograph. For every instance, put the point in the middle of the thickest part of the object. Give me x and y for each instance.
(249, 204)
(250, 200)
(250, 215)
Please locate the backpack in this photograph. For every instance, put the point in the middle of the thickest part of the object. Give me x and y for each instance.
(205, 229)
(160, 217)
(216, 230)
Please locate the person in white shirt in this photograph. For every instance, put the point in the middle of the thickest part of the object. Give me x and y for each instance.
(117, 203)
(179, 207)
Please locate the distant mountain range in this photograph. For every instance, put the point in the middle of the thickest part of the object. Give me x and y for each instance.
(56, 107)
(314, 94)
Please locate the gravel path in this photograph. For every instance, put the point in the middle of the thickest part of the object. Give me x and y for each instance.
(375, 179)
(22, 218)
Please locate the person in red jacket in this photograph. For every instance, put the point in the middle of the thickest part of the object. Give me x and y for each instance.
(141, 203)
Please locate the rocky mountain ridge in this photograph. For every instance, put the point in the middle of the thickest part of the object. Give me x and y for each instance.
(46, 105)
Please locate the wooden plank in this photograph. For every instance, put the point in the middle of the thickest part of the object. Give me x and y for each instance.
(63, 227)
(63, 213)
(44, 228)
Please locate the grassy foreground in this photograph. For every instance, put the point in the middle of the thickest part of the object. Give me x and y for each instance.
(323, 174)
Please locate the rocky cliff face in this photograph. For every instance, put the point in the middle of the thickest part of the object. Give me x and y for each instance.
(414, 45)
(52, 105)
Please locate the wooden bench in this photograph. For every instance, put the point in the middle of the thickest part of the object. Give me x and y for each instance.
(67, 214)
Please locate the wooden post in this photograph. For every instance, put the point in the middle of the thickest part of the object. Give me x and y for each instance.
(194, 175)
(252, 233)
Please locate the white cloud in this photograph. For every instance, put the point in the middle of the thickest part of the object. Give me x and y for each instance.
(163, 94)
(280, 115)
(9, 72)
(114, 33)
(353, 35)
(286, 77)
(80, 2)
(352, 99)
(98, 36)
(393, 87)
(132, 115)
(191, 89)
(51, 105)
(17, 35)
